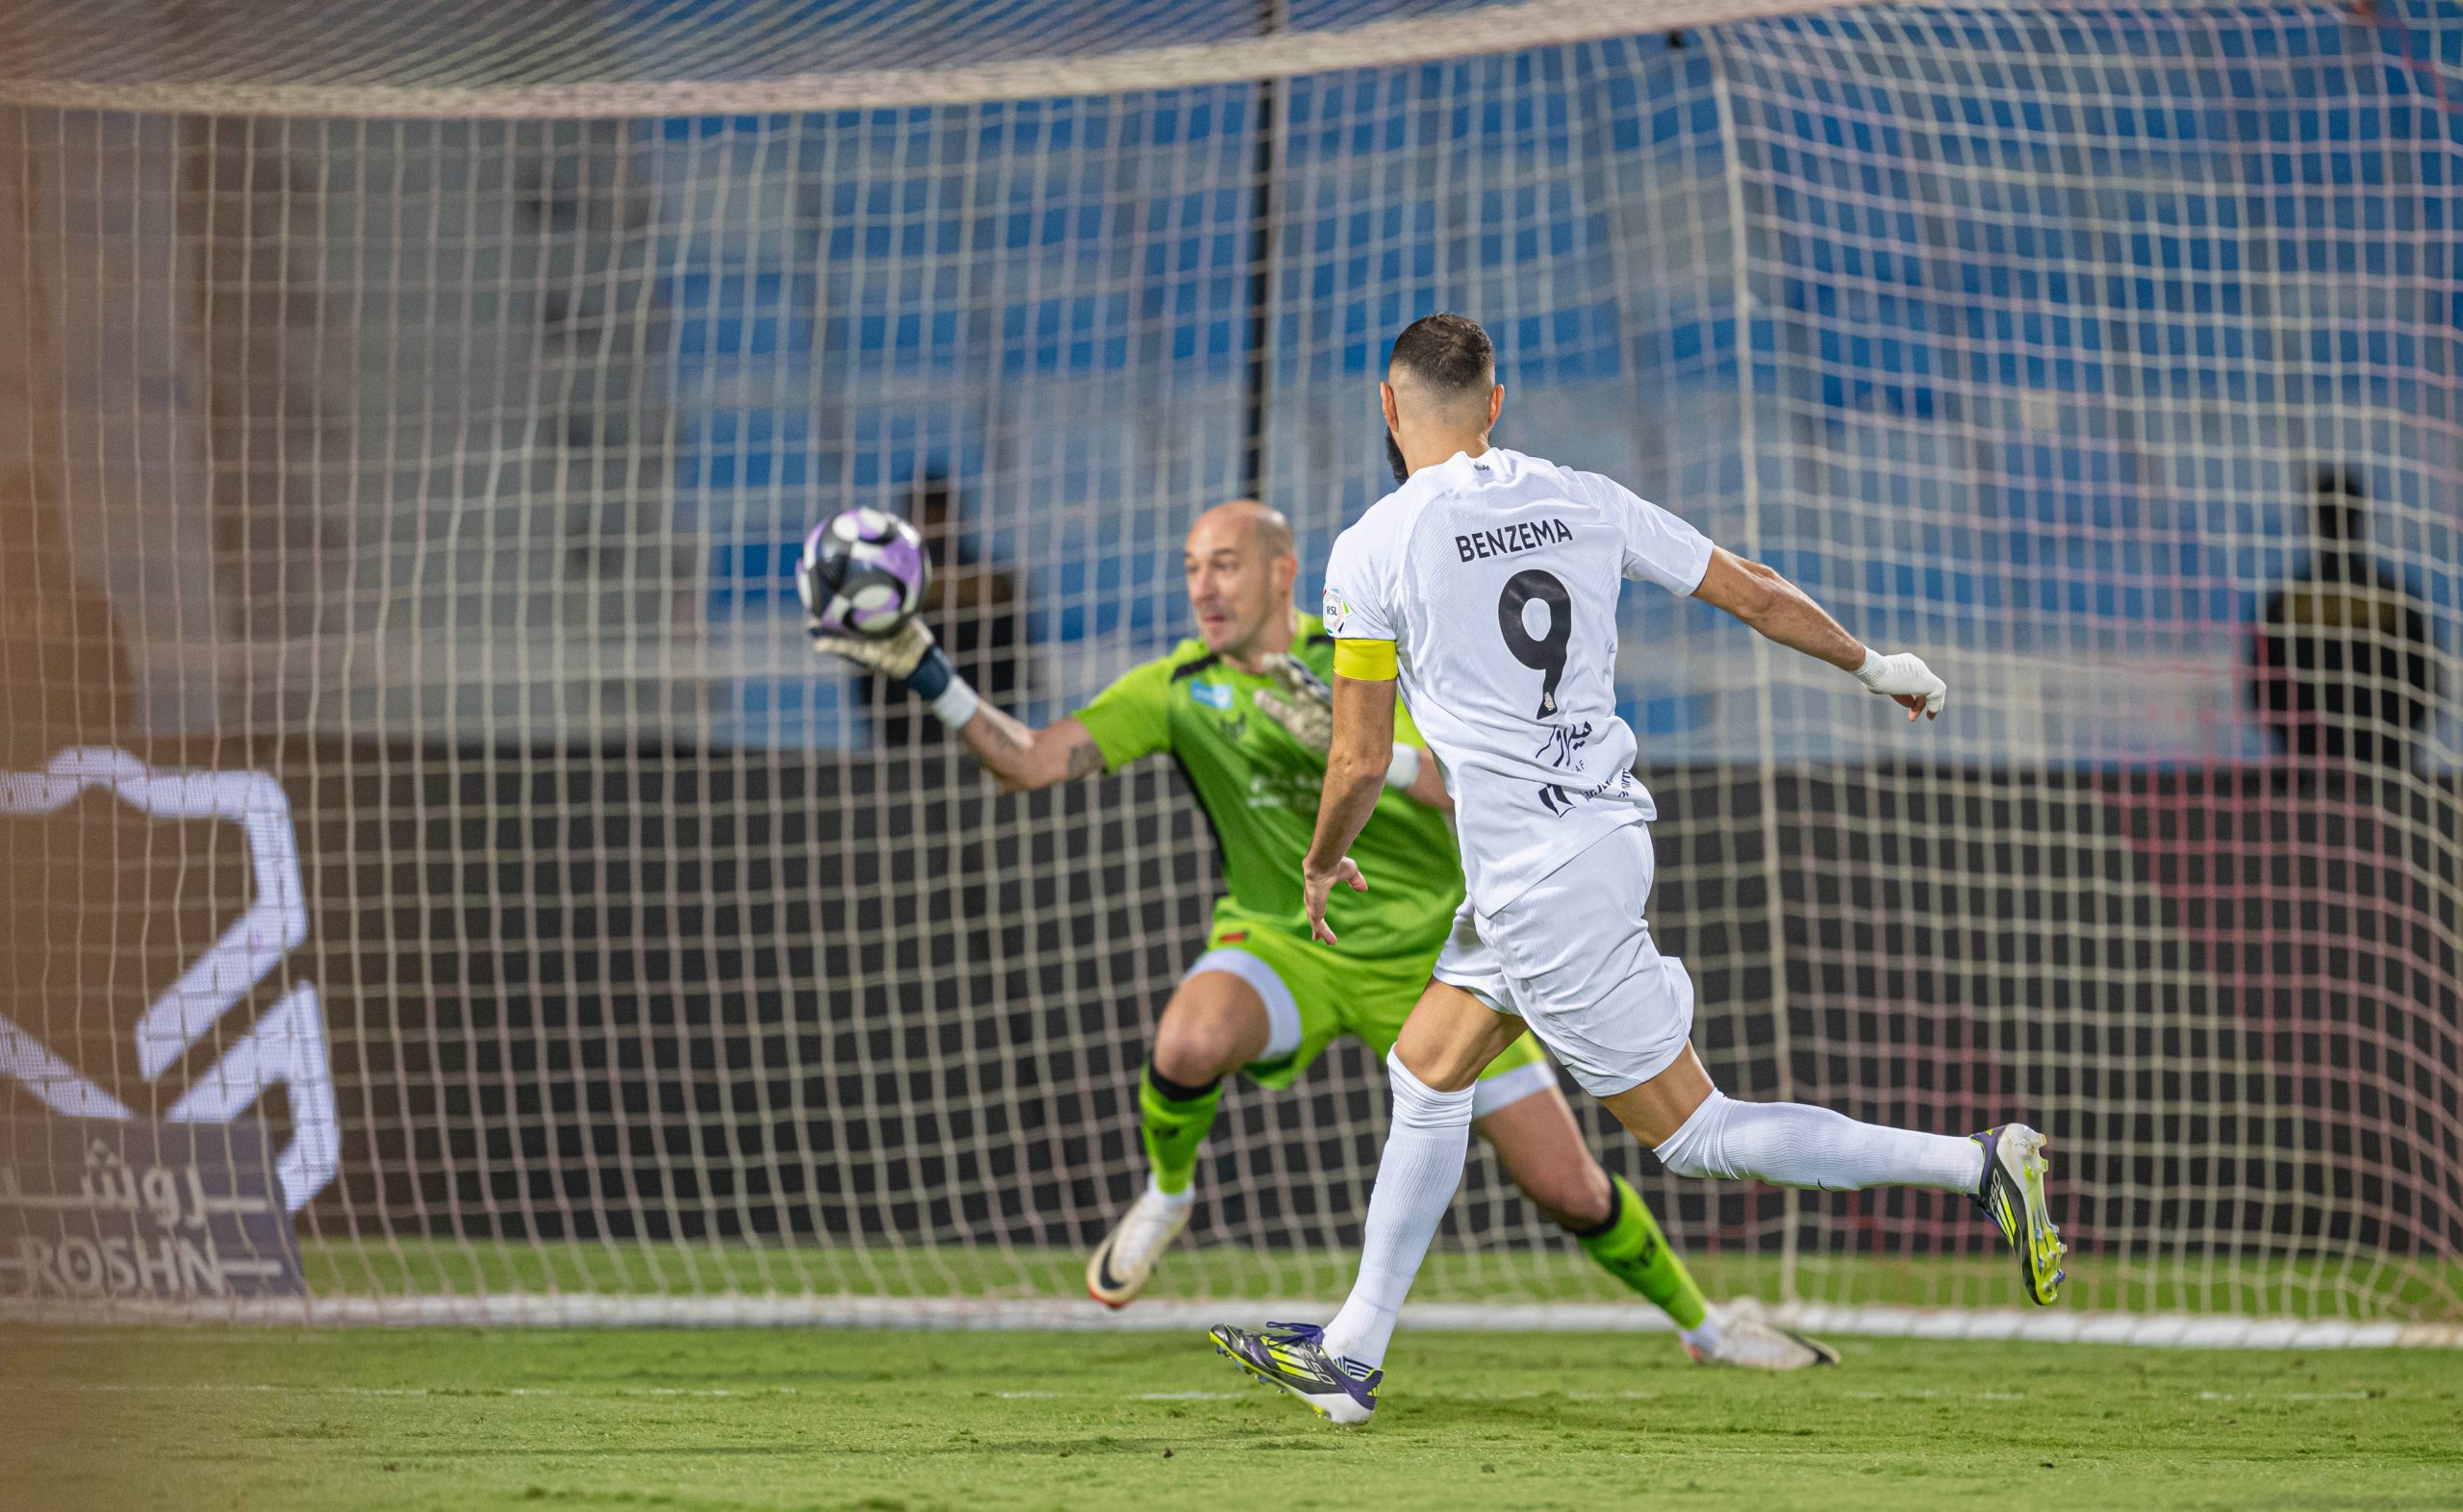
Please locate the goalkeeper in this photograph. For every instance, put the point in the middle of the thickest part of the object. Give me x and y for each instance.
(1243, 708)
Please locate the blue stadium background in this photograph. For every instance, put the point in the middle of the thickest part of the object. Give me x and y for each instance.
(2004, 319)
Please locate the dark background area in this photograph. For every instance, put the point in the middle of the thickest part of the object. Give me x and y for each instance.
(680, 995)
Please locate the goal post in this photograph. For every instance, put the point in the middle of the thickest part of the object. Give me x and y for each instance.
(416, 759)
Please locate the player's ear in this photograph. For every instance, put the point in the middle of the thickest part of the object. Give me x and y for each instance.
(1284, 572)
(1386, 396)
(1496, 403)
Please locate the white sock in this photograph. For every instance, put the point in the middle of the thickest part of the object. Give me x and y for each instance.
(1170, 1198)
(1704, 1335)
(1415, 1180)
(1789, 1145)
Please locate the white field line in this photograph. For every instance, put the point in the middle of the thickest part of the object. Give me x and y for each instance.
(2050, 1325)
(54, 1388)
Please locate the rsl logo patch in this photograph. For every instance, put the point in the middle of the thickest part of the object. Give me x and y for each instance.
(1335, 610)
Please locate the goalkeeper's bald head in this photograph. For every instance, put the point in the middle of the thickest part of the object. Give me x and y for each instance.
(1267, 531)
(1241, 561)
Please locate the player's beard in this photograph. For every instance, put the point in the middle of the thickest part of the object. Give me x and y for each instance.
(1394, 457)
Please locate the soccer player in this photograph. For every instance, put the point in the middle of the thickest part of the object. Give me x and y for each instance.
(1485, 585)
(1243, 708)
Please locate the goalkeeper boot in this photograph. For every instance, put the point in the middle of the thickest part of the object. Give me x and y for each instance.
(2011, 1194)
(1744, 1339)
(1293, 1356)
(1118, 1269)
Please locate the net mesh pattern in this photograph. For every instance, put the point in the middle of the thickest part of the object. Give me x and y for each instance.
(422, 413)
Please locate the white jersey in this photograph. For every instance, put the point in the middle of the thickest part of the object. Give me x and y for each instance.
(1496, 577)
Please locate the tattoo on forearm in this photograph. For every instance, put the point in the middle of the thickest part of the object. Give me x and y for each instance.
(1085, 758)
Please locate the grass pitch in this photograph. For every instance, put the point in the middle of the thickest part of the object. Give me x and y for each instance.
(882, 1420)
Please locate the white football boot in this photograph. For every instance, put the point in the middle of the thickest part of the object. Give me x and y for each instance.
(1741, 1337)
(1118, 1269)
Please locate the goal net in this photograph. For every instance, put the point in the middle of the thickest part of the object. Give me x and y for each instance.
(427, 829)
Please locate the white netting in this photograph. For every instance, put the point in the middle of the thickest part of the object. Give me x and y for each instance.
(597, 60)
(423, 410)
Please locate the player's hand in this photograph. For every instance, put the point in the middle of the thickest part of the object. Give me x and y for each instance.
(1318, 889)
(1906, 681)
(1299, 702)
(892, 656)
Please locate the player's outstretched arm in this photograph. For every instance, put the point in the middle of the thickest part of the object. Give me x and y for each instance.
(1355, 766)
(1019, 757)
(1784, 613)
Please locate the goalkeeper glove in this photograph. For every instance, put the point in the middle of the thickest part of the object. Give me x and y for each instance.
(1906, 678)
(914, 658)
(1301, 702)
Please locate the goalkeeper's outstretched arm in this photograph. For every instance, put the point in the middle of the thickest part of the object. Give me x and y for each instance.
(1780, 609)
(1019, 757)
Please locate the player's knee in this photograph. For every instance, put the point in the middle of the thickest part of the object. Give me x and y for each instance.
(1686, 1161)
(1446, 1062)
(1699, 1149)
(1417, 1106)
(1577, 1198)
(1201, 1039)
(1194, 1053)
(1440, 1068)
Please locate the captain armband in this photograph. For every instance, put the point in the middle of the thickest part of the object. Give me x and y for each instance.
(1365, 661)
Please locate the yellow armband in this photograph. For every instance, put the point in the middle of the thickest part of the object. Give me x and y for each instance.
(1364, 661)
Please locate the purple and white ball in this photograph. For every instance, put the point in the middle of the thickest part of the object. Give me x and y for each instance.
(863, 573)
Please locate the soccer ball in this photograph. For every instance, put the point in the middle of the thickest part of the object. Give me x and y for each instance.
(863, 573)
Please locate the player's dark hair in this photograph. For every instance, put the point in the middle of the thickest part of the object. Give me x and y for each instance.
(1448, 354)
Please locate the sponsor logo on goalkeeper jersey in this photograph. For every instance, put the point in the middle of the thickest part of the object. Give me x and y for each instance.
(1215, 695)
(1294, 788)
(1508, 540)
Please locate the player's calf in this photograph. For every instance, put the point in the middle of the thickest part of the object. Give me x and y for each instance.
(1793, 1145)
(1172, 1121)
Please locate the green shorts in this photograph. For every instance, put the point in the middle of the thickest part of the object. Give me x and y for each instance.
(1313, 994)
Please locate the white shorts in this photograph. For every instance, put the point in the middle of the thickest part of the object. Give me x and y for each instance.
(1574, 959)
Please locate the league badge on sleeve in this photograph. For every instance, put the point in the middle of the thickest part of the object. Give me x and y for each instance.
(1336, 611)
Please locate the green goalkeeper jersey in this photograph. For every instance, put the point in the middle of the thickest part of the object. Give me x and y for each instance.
(1258, 788)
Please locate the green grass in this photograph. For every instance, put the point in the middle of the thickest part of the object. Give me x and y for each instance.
(826, 1420)
(2299, 1287)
